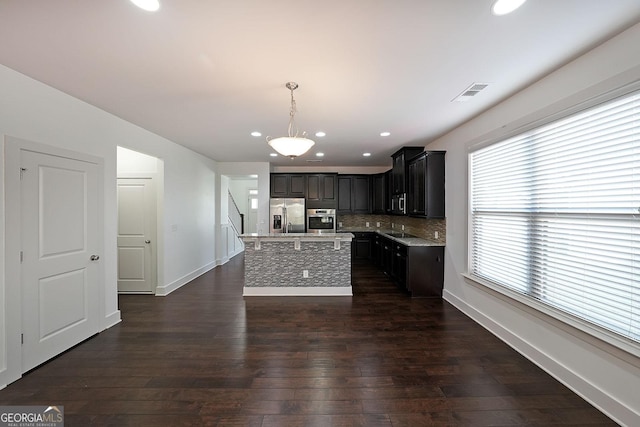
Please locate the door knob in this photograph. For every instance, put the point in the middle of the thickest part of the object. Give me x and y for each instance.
(94, 257)
(147, 241)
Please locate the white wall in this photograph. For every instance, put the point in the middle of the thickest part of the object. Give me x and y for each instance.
(189, 220)
(607, 377)
(253, 168)
(33, 111)
(240, 191)
(130, 161)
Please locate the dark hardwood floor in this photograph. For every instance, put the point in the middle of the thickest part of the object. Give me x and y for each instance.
(205, 355)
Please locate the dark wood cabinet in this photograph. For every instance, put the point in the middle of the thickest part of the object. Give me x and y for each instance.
(376, 250)
(399, 170)
(353, 194)
(416, 269)
(362, 245)
(380, 199)
(288, 185)
(425, 196)
(400, 265)
(425, 271)
(386, 256)
(322, 190)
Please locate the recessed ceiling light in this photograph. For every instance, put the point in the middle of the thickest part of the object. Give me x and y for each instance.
(320, 134)
(366, 154)
(503, 7)
(385, 133)
(256, 133)
(148, 5)
(319, 154)
(273, 155)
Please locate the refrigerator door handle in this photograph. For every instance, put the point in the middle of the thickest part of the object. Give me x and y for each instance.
(285, 223)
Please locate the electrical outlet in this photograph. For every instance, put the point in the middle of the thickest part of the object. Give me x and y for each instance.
(305, 274)
(367, 224)
(339, 224)
(378, 224)
(402, 227)
(435, 234)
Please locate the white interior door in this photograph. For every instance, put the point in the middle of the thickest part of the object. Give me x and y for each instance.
(60, 254)
(136, 235)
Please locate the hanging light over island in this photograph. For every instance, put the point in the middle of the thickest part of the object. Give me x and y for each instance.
(291, 145)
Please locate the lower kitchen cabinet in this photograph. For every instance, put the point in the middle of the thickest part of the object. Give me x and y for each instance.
(416, 269)
(361, 245)
(425, 271)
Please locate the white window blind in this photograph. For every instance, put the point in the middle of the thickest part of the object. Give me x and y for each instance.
(555, 215)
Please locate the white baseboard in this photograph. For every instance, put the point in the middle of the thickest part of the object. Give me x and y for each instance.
(163, 291)
(112, 319)
(292, 291)
(578, 384)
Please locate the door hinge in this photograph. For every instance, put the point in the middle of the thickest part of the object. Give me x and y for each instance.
(21, 338)
(22, 171)
(21, 257)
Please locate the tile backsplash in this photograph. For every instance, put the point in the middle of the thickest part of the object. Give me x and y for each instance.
(421, 227)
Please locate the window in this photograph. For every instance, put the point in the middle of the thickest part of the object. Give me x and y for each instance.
(555, 215)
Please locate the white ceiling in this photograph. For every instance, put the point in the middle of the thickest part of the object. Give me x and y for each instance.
(205, 74)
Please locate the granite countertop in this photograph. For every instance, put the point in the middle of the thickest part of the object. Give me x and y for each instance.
(394, 234)
(344, 235)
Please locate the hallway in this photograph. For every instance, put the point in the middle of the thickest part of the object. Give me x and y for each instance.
(204, 355)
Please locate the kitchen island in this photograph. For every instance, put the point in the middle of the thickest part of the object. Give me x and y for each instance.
(297, 264)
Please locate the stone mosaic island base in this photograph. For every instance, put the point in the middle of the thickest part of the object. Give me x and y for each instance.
(297, 264)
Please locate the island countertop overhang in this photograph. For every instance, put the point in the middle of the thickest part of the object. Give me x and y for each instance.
(302, 236)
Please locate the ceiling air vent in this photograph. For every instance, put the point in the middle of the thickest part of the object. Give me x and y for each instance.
(470, 92)
(313, 160)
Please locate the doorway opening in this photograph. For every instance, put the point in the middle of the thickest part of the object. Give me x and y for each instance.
(140, 238)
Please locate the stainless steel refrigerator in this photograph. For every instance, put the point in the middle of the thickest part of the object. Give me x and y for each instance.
(287, 216)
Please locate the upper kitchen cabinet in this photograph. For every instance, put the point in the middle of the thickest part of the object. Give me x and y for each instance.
(425, 196)
(380, 199)
(399, 170)
(288, 185)
(353, 194)
(322, 191)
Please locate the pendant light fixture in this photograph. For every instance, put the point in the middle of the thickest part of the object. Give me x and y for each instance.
(291, 145)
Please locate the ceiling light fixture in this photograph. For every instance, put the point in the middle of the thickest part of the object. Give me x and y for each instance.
(291, 145)
(148, 5)
(503, 7)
